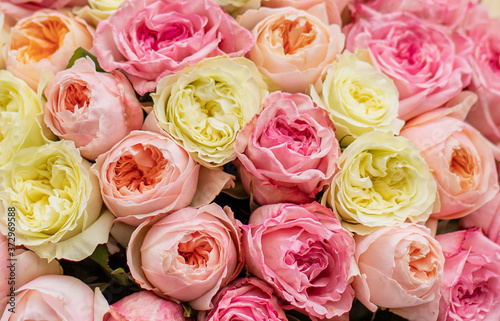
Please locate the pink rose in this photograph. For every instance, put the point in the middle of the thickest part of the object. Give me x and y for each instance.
(471, 278)
(487, 218)
(288, 152)
(426, 61)
(57, 297)
(485, 72)
(93, 109)
(332, 8)
(146, 174)
(45, 40)
(150, 39)
(18, 9)
(245, 296)
(446, 12)
(145, 306)
(401, 268)
(187, 255)
(303, 252)
(292, 47)
(460, 158)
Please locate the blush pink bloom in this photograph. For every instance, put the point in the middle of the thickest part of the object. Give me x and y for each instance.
(471, 277)
(187, 255)
(487, 218)
(149, 39)
(146, 174)
(426, 61)
(145, 306)
(288, 152)
(250, 297)
(460, 158)
(446, 12)
(18, 9)
(304, 253)
(401, 268)
(93, 109)
(485, 64)
(57, 297)
(292, 47)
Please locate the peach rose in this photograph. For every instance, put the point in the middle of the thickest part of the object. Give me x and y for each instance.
(487, 217)
(187, 255)
(44, 40)
(292, 47)
(332, 8)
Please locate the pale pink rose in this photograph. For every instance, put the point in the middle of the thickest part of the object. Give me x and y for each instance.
(332, 8)
(401, 268)
(149, 39)
(471, 277)
(487, 218)
(245, 296)
(146, 174)
(57, 297)
(446, 12)
(426, 61)
(460, 158)
(187, 255)
(93, 109)
(305, 254)
(145, 306)
(288, 152)
(485, 62)
(292, 47)
(18, 9)
(45, 40)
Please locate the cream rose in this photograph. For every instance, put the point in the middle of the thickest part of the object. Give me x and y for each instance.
(97, 10)
(57, 202)
(382, 181)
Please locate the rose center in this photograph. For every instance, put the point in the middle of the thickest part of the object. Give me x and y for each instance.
(154, 40)
(294, 34)
(422, 266)
(195, 252)
(474, 296)
(464, 166)
(298, 136)
(76, 96)
(494, 61)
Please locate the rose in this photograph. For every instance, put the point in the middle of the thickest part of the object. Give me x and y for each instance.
(4, 35)
(487, 218)
(460, 158)
(493, 7)
(145, 305)
(57, 297)
(402, 267)
(187, 255)
(245, 296)
(426, 61)
(485, 72)
(332, 8)
(57, 202)
(149, 40)
(44, 40)
(303, 252)
(18, 117)
(97, 10)
(358, 98)
(446, 12)
(471, 277)
(292, 47)
(146, 174)
(235, 7)
(382, 181)
(288, 152)
(93, 109)
(228, 93)
(18, 9)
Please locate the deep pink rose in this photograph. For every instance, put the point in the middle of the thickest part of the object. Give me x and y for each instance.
(427, 62)
(288, 152)
(446, 12)
(460, 158)
(487, 218)
(471, 278)
(187, 255)
(245, 296)
(93, 109)
(402, 267)
(150, 39)
(304, 253)
(485, 62)
(145, 306)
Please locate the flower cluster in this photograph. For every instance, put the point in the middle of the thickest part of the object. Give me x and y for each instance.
(250, 160)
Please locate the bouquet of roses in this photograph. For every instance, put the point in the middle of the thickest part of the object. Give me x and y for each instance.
(249, 160)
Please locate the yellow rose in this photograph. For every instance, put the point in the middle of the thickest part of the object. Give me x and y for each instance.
(204, 106)
(4, 34)
(358, 98)
(57, 202)
(382, 181)
(97, 10)
(19, 108)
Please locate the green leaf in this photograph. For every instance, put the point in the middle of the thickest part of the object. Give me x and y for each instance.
(80, 53)
(101, 257)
